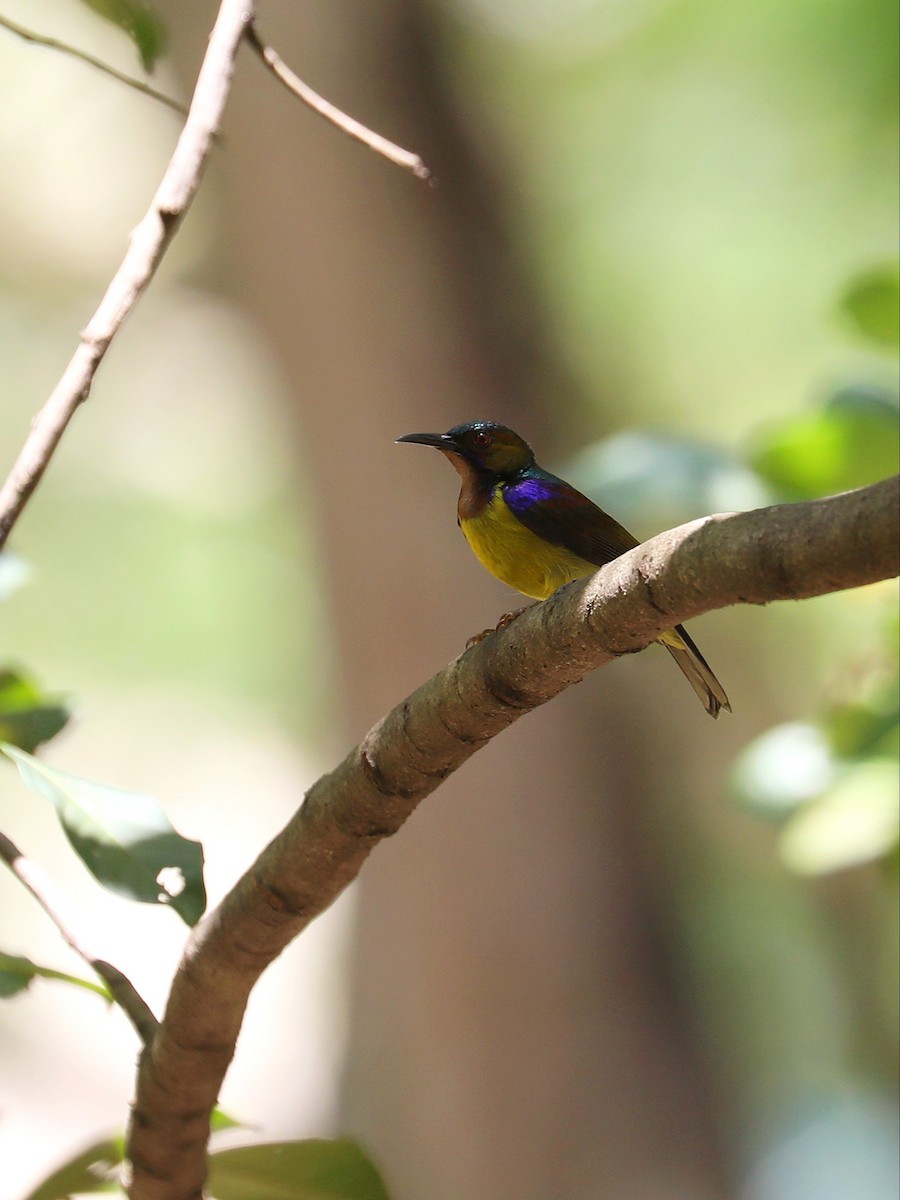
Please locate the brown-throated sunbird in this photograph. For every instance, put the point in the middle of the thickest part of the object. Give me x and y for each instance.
(535, 532)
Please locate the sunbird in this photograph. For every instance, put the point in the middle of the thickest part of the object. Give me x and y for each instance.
(535, 532)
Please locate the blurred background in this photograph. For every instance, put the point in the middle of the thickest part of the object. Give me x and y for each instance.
(626, 953)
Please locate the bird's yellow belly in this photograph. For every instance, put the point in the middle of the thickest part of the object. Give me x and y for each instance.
(517, 556)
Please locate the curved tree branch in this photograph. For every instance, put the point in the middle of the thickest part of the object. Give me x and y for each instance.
(790, 551)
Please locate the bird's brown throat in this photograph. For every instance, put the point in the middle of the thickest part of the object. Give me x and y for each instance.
(476, 487)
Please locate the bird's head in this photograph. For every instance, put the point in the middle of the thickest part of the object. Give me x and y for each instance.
(480, 448)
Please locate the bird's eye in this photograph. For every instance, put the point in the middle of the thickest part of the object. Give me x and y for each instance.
(482, 438)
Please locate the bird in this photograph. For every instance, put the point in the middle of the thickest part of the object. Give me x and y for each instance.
(536, 532)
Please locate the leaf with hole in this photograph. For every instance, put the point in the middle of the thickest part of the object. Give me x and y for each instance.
(123, 838)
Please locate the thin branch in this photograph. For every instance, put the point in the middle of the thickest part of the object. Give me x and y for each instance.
(150, 239)
(38, 39)
(146, 247)
(54, 905)
(349, 125)
(786, 552)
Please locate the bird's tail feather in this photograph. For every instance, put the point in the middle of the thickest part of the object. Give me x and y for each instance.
(696, 670)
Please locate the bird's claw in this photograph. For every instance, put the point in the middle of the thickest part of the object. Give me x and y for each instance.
(477, 637)
(506, 619)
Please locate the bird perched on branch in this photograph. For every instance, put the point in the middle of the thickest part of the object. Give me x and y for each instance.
(535, 532)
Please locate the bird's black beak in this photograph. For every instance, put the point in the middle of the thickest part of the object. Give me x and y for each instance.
(440, 441)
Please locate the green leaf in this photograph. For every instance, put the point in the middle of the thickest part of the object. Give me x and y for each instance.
(871, 303)
(123, 838)
(92, 1171)
(308, 1170)
(852, 440)
(855, 822)
(139, 21)
(27, 717)
(17, 973)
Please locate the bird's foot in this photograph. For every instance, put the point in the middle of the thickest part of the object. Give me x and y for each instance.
(506, 619)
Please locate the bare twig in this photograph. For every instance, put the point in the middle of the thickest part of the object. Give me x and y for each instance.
(146, 247)
(38, 39)
(349, 125)
(150, 239)
(790, 551)
(54, 905)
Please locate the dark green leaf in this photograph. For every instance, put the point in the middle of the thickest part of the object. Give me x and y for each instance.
(93, 1170)
(871, 302)
(27, 717)
(139, 21)
(851, 441)
(123, 838)
(309, 1170)
(16, 973)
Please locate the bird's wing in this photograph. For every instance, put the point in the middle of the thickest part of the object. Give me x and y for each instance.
(561, 515)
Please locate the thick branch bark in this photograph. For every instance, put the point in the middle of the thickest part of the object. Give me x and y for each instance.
(785, 552)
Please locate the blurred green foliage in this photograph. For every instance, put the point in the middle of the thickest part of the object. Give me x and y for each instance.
(92, 1172)
(655, 480)
(852, 439)
(28, 717)
(313, 1169)
(307, 1170)
(833, 782)
(871, 303)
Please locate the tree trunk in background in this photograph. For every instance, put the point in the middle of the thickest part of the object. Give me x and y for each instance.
(515, 1032)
